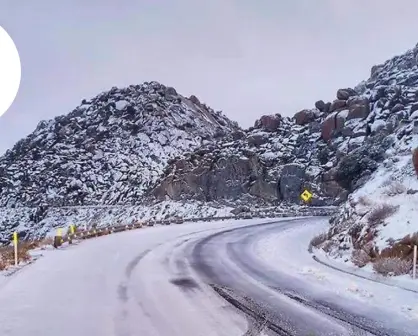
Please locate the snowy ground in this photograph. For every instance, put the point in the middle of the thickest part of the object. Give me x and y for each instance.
(96, 288)
(289, 250)
(149, 282)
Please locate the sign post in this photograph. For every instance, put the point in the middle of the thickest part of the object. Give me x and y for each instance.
(15, 242)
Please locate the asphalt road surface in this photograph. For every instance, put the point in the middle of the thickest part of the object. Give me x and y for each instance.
(182, 280)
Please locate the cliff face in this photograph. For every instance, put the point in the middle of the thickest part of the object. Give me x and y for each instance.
(331, 149)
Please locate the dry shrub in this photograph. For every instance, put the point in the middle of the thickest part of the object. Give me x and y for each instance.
(365, 201)
(411, 239)
(382, 211)
(318, 239)
(2, 265)
(398, 250)
(415, 159)
(355, 232)
(392, 266)
(329, 245)
(23, 251)
(402, 249)
(7, 254)
(47, 241)
(387, 182)
(395, 188)
(360, 258)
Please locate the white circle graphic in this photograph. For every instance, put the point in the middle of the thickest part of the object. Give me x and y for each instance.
(10, 71)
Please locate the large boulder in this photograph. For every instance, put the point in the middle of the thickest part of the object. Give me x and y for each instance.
(344, 94)
(332, 125)
(257, 139)
(269, 122)
(291, 181)
(304, 117)
(337, 104)
(361, 162)
(358, 108)
(320, 105)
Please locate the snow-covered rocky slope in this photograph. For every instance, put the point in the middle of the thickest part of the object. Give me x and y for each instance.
(109, 150)
(146, 144)
(377, 226)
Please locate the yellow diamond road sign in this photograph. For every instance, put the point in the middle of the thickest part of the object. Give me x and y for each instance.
(306, 195)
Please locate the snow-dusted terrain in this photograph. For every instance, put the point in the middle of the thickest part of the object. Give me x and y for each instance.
(155, 281)
(365, 297)
(109, 150)
(115, 285)
(146, 152)
(377, 228)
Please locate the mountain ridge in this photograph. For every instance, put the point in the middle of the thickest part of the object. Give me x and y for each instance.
(144, 145)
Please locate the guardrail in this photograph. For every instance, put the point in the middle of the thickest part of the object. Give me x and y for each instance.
(96, 232)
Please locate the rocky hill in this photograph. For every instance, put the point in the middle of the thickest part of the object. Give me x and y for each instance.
(331, 149)
(146, 144)
(377, 225)
(109, 150)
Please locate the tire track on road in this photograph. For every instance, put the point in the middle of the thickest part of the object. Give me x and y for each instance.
(235, 252)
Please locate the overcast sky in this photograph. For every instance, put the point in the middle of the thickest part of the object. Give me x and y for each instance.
(244, 57)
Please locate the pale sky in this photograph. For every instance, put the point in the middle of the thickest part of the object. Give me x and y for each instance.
(244, 57)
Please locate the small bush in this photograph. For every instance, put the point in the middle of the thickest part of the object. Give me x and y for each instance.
(392, 266)
(411, 239)
(48, 241)
(329, 245)
(415, 160)
(318, 239)
(365, 201)
(387, 182)
(23, 251)
(395, 188)
(382, 211)
(7, 255)
(360, 258)
(398, 250)
(2, 265)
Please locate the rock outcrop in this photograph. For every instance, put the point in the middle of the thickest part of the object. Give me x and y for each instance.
(147, 143)
(109, 150)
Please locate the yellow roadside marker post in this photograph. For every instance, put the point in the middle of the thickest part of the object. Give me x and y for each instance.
(306, 196)
(71, 236)
(58, 238)
(59, 234)
(15, 242)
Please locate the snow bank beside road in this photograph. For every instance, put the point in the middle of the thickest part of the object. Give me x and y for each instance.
(287, 252)
(377, 227)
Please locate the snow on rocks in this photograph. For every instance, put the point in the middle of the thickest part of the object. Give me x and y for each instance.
(146, 144)
(377, 225)
(109, 150)
(377, 221)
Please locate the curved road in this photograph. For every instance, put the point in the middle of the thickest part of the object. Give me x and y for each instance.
(190, 279)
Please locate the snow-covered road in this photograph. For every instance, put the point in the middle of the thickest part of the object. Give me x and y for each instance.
(164, 281)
